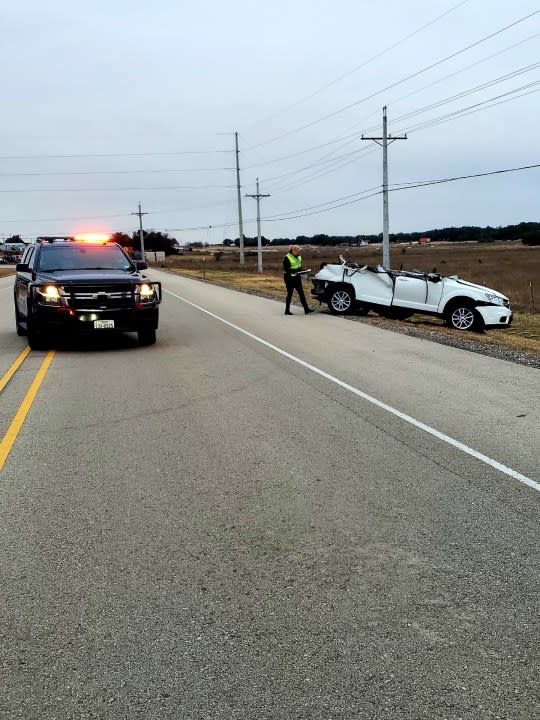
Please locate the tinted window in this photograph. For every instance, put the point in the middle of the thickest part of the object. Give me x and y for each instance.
(83, 257)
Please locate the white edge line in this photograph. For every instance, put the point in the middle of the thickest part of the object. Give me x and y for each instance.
(403, 416)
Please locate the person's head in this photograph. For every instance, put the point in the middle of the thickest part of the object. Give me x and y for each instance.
(294, 249)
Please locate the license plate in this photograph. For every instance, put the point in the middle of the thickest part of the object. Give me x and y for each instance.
(103, 324)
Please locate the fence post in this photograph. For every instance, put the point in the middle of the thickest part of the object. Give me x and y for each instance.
(532, 294)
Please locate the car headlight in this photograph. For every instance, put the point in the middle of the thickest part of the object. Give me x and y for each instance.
(495, 299)
(146, 292)
(49, 295)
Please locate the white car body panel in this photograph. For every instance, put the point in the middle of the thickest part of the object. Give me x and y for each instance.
(412, 290)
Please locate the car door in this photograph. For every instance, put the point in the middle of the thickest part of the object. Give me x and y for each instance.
(417, 292)
(372, 286)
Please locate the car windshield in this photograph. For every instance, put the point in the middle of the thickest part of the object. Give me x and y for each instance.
(83, 257)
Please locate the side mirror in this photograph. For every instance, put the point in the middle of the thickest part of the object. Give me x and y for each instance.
(141, 265)
(22, 267)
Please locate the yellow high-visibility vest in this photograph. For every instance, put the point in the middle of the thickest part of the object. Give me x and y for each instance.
(296, 263)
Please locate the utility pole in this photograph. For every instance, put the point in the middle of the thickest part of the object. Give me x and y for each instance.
(240, 226)
(386, 139)
(258, 197)
(141, 234)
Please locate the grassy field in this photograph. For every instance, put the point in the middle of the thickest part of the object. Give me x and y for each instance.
(511, 268)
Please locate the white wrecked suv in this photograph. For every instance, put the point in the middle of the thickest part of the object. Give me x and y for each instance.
(348, 287)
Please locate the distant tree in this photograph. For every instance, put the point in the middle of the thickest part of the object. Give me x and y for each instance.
(122, 239)
(154, 241)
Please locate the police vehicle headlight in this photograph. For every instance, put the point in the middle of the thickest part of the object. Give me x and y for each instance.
(146, 292)
(49, 295)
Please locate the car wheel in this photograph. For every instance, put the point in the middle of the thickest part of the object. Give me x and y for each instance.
(147, 336)
(36, 340)
(341, 300)
(462, 317)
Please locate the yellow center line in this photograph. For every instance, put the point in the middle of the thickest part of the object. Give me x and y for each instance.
(13, 369)
(9, 438)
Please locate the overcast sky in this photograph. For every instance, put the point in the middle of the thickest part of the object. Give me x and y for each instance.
(112, 102)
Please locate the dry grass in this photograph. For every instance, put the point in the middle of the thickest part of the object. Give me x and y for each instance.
(5, 271)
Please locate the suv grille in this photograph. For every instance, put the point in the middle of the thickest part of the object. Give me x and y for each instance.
(93, 297)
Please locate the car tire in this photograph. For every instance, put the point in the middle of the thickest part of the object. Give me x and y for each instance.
(36, 339)
(341, 300)
(146, 336)
(463, 317)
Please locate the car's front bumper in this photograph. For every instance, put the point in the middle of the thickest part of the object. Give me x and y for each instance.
(495, 315)
(67, 320)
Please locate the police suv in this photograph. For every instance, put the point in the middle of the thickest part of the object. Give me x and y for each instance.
(83, 284)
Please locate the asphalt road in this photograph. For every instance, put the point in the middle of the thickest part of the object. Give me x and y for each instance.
(212, 528)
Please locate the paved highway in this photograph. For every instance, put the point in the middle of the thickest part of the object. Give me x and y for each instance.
(266, 517)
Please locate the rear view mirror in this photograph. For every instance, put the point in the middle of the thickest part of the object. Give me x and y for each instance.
(22, 267)
(141, 265)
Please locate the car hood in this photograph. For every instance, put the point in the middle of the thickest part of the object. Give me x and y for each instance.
(97, 276)
(479, 288)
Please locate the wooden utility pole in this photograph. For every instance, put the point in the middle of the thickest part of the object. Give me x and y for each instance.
(384, 142)
(240, 225)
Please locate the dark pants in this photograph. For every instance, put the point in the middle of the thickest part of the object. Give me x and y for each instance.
(294, 283)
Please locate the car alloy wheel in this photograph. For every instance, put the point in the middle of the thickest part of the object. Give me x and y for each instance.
(462, 318)
(341, 301)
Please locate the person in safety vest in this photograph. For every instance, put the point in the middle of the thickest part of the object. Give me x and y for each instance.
(292, 267)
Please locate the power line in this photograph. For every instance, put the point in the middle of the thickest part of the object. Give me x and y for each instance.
(355, 135)
(287, 216)
(393, 102)
(399, 82)
(311, 178)
(477, 107)
(464, 93)
(425, 183)
(458, 72)
(359, 67)
(109, 155)
(110, 172)
(430, 123)
(121, 189)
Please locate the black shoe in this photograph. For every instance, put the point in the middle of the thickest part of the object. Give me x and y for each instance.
(309, 311)
(288, 312)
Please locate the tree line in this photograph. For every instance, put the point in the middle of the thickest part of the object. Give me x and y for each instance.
(155, 241)
(527, 232)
